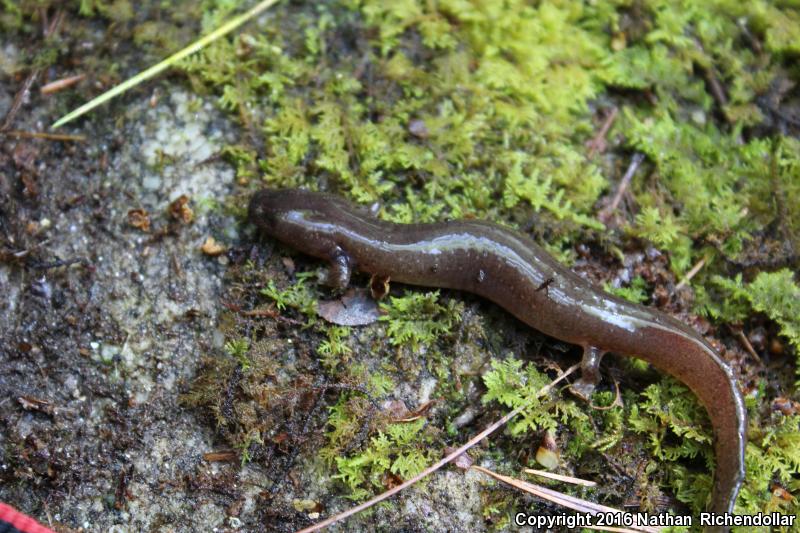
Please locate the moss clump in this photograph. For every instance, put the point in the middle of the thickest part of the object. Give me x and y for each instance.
(298, 296)
(399, 449)
(512, 384)
(775, 294)
(417, 319)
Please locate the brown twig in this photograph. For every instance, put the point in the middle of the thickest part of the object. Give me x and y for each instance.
(712, 82)
(606, 212)
(60, 85)
(598, 142)
(52, 28)
(717, 90)
(449, 458)
(692, 273)
(44, 135)
(31, 78)
(257, 313)
(755, 44)
(746, 343)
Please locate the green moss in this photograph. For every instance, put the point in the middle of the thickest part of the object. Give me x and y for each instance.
(673, 422)
(11, 15)
(400, 449)
(334, 350)
(772, 455)
(512, 384)
(635, 292)
(379, 383)
(160, 34)
(238, 350)
(776, 294)
(417, 319)
(298, 296)
(332, 131)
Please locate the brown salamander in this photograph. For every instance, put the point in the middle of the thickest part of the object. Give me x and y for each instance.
(510, 270)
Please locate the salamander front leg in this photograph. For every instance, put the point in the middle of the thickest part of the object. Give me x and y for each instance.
(339, 270)
(590, 372)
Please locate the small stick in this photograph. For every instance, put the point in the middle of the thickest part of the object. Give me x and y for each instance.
(226, 28)
(58, 263)
(16, 105)
(60, 85)
(47, 513)
(717, 91)
(754, 43)
(714, 85)
(19, 99)
(746, 343)
(45, 135)
(599, 140)
(692, 273)
(637, 159)
(451, 457)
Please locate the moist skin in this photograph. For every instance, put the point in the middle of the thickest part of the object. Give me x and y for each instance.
(512, 271)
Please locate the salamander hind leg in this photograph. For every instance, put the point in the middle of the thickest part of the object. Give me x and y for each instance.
(339, 270)
(590, 372)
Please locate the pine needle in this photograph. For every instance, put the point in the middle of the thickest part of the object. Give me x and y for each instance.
(168, 62)
(559, 477)
(565, 500)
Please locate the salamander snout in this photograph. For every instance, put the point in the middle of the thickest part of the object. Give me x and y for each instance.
(264, 209)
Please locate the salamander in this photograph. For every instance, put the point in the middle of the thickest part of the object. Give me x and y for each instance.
(511, 270)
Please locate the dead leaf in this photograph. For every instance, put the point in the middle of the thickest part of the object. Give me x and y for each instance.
(355, 308)
(379, 286)
(212, 247)
(139, 219)
(179, 209)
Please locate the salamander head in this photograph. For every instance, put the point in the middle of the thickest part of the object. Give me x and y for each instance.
(266, 208)
(296, 217)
